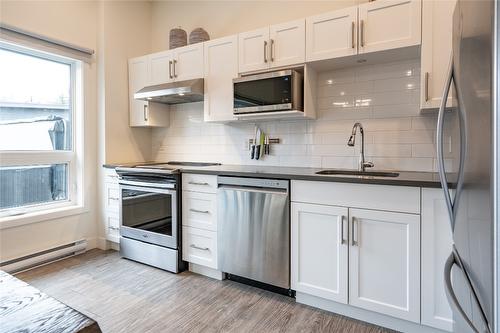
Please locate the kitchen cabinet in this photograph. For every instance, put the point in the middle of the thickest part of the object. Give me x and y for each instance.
(389, 24)
(319, 250)
(357, 244)
(436, 247)
(384, 262)
(160, 68)
(221, 67)
(332, 35)
(437, 18)
(142, 113)
(272, 47)
(183, 63)
(199, 223)
(111, 209)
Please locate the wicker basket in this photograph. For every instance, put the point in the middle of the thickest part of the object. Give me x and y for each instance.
(198, 35)
(178, 38)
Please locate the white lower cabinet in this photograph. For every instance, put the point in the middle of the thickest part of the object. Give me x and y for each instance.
(436, 247)
(319, 251)
(111, 206)
(384, 262)
(199, 246)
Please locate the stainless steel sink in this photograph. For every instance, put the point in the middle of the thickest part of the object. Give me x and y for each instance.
(358, 173)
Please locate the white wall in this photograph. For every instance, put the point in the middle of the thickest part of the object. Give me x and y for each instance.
(223, 18)
(385, 98)
(74, 22)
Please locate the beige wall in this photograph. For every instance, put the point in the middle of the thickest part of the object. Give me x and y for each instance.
(223, 18)
(74, 22)
(124, 32)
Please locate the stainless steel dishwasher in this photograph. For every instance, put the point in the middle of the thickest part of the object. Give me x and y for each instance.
(254, 224)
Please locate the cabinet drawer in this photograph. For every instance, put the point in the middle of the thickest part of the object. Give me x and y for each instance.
(199, 246)
(112, 226)
(199, 183)
(381, 197)
(199, 210)
(110, 176)
(112, 197)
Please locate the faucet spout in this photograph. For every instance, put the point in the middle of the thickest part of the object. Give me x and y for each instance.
(351, 142)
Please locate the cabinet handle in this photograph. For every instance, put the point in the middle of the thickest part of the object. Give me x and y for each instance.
(196, 183)
(199, 248)
(265, 51)
(114, 228)
(341, 220)
(426, 88)
(362, 33)
(145, 112)
(114, 199)
(170, 69)
(175, 65)
(272, 49)
(353, 43)
(354, 232)
(199, 211)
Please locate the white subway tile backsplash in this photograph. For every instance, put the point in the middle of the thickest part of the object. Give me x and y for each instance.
(384, 98)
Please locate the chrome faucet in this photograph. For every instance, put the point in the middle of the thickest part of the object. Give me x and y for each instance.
(352, 140)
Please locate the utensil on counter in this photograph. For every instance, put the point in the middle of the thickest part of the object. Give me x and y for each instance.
(252, 148)
(258, 146)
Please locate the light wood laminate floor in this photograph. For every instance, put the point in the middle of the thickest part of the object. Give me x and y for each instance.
(125, 296)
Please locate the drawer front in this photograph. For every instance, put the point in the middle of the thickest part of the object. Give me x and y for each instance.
(199, 183)
(199, 247)
(112, 197)
(381, 197)
(110, 176)
(199, 210)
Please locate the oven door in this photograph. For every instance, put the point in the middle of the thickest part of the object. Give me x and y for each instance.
(268, 92)
(149, 214)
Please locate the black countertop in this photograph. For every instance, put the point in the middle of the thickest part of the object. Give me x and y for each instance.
(405, 178)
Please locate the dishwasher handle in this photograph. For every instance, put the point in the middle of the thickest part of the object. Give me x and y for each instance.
(265, 190)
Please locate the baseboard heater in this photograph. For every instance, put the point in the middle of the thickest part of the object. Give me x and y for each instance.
(43, 257)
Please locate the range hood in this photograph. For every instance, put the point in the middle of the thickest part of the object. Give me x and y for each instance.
(173, 93)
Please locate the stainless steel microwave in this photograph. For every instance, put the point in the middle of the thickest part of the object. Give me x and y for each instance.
(268, 93)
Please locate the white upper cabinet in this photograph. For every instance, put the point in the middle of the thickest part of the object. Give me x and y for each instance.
(253, 50)
(160, 68)
(275, 46)
(188, 62)
(221, 66)
(436, 247)
(141, 113)
(384, 263)
(332, 35)
(319, 251)
(287, 43)
(389, 24)
(437, 18)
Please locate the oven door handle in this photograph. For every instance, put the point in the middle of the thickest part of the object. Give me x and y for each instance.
(146, 185)
(147, 189)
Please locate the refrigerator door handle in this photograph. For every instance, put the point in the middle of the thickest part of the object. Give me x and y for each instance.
(454, 259)
(450, 203)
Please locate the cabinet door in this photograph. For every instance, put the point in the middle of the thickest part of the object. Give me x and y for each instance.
(319, 251)
(253, 50)
(221, 67)
(160, 66)
(138, 77)
(389, 24)
(436, 247)
(287, 43)
(437, 17)
(384, 263)
(188, 62)
(332, 35)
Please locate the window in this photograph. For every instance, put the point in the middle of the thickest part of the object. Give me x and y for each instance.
(39, 106)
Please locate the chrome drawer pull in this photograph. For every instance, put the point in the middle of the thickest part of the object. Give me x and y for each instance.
(199, 248)
(115, 199)
(196, 183)
(199, 211)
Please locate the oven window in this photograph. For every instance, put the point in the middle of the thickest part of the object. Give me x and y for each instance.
(147, 211)
(263, 92)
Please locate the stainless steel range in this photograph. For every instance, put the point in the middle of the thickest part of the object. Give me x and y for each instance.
(150, 217)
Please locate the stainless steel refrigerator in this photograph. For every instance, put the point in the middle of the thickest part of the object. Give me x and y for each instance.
(471, 271)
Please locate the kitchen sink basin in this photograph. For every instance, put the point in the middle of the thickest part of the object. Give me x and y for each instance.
(358, 173)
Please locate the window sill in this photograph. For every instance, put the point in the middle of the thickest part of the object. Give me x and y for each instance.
(40, 216)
